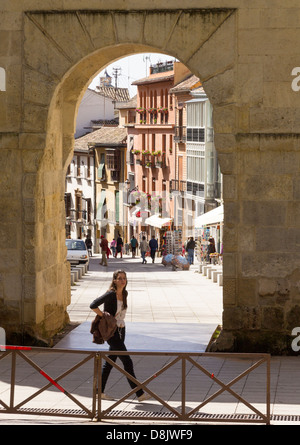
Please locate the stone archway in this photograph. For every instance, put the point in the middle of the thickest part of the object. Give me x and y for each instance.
(62, 51)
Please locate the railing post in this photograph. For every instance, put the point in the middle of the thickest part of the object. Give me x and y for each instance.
(94, 407)
(268, 389)
(12, 379)
(183, 386)
(99, 384)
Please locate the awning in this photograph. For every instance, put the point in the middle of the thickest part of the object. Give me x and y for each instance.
(215, 216)
(157, 221)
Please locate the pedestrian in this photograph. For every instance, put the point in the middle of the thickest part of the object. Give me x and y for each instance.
(133, 243)
(89, 245)
(113, 247)
(119, 248)
(210, 249)
(190, 247)
(115, 303)
(127, 248)
(104, 248)
(108, 252)
(143, 249)
(153, 244)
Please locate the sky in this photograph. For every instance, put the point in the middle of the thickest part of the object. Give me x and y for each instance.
(131, 68)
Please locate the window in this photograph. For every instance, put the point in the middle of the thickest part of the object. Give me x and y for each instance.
(113, 159)
(89, 170)
(195, 135)
(88, 209)
(196, 121)
(153, 142)
(68, 201)
(78, 204)
(78, 166)
(164, 137)
(195, 164)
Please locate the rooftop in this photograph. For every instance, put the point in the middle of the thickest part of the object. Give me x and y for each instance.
(189, 83)
(117, 94)
(104, 136)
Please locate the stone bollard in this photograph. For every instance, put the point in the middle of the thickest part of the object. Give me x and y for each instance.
(215, 275)
(209, 272)
(74, 272)
(220, 280)
(79, 270)
(205, 269)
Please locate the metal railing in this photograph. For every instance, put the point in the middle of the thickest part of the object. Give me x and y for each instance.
(97, 409)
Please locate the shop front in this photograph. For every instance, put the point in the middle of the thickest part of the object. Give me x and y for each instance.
(209, 235)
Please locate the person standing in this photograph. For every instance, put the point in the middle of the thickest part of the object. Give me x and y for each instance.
(143, 248)
(153, 247)
(190, 247)
(89, 245)
(133, 243)
(119, 246)
(210, 249)
(104, 248)
(115, 303)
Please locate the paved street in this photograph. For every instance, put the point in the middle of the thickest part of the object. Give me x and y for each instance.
(168, 311)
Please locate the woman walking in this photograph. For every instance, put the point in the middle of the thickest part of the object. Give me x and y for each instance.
(115, 303)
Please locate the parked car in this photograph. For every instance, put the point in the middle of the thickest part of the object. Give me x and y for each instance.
(77, 251)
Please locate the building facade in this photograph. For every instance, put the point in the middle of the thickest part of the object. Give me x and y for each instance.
(93, 106)
(151, 157)
(79, 195)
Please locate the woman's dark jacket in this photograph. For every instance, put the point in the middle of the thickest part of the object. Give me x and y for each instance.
(110, 302)
(104, 327)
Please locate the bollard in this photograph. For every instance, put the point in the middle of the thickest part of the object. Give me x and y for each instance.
(209, 272)
(215, 275)
(220, 280)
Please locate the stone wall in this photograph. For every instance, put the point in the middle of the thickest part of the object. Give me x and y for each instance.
(244, 53)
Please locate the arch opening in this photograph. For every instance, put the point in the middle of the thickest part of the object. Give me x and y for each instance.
(71, 99)
(50, 115)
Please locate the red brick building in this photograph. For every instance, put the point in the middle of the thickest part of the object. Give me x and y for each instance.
(152, 157)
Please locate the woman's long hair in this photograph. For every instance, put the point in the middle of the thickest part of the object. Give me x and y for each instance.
(114, 287)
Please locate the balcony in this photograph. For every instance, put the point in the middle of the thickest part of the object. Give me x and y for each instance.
(177, 185)
(115, 175)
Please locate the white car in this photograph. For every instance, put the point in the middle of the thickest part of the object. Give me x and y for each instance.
(77, 251)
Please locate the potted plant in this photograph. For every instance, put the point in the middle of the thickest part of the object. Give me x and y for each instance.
(156, 153)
